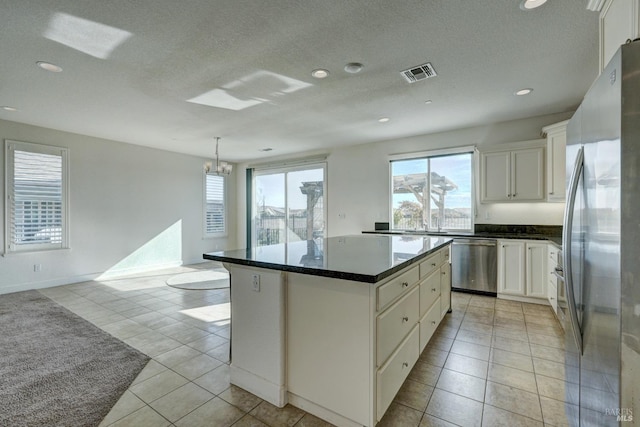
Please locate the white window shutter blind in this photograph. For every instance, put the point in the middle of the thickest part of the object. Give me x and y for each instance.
(36, 197)
(214, 205)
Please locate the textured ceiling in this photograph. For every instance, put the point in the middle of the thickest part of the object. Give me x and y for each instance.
(131, 67)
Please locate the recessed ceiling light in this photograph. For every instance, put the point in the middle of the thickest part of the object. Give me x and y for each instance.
(8, 108)
(49, 66)
(353, 67)
(531, 4)
(383, 119)
(428, 101)
(525, 91)
(320, 73)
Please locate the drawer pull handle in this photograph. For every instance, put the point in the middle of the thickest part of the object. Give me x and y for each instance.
(433, 289)
(405, 319)
(433, 264)
(405, 284)
(405, 365)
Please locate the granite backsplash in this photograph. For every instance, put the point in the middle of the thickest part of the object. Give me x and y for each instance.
(543, 230)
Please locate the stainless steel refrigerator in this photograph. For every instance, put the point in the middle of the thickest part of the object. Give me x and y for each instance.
(600, 305)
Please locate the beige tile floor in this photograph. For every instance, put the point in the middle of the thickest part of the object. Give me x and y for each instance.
(491, 362)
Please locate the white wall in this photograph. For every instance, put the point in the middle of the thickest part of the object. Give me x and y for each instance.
(358, 177)
(132, 209)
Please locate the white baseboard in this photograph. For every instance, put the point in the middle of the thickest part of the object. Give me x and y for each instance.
(109, 274)
(532, 300)
(321, 412)
(48, 283)
(266, 390)
(59, 281)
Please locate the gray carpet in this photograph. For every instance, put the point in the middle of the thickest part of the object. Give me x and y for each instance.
(57, 369)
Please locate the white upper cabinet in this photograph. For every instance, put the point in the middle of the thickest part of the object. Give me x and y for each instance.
(619, 22)
(496, 176)
(556, 159)
(516, 175)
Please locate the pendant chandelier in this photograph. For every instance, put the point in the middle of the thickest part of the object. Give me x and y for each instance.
(221, 168)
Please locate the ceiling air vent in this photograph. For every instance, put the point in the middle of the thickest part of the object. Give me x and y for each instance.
(419, 72)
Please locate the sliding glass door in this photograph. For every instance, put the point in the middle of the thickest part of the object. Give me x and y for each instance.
(288, 205)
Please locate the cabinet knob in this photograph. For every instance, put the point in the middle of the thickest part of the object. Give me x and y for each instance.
(433, 322)
(443, 273)
(433, 264)
(405, 284)
(405, 319)
(551, 193)
(434, 289)
(405, 365)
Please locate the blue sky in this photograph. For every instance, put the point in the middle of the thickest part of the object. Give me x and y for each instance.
(271, 188)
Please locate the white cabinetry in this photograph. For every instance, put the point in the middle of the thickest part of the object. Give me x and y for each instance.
(536, 268)
(556, 160)
(552, 286)
(351, 345)
(619, 22)
(512, 176)
(522, 269)
(511, 267)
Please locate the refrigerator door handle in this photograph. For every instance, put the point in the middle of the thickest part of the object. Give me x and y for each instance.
(566, 246)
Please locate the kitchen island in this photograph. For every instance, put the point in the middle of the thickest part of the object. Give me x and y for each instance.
(334, 325)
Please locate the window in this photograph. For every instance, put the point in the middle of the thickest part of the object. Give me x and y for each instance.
(36, 188)
(214, 211)
(433, 192)
(288, 205)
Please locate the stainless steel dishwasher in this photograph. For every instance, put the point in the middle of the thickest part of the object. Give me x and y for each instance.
(474, 266)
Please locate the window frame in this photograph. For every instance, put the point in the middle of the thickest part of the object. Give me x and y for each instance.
(9, 162)
(434, 154)
(225, 198)
(285, 169)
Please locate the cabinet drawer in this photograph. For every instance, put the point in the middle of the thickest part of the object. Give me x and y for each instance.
(393, 373)
(395, 287)
(429, 291)
(431, 263)
(429, 323)
(395, 323)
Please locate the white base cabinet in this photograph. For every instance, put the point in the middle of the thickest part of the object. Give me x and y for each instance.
(351, 345)
(522, 269)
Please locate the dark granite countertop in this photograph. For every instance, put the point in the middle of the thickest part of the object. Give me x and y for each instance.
(551, 234)
(363, 258)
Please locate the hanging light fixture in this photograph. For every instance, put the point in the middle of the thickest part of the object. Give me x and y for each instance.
(223, 168)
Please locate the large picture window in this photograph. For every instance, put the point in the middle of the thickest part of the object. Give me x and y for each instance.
(288, 205)
(214, 210)
(433, 193)
(36, 188)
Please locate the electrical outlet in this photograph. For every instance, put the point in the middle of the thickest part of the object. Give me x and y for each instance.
(255, 282)
(37, 268)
